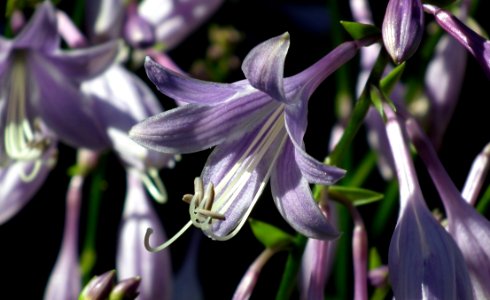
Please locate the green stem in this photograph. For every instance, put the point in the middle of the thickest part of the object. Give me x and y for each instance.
(360, 110)
(484, 201)
(293, 264)
(387, 205)
(89, 254)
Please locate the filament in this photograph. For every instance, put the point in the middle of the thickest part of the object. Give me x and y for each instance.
(154, 185)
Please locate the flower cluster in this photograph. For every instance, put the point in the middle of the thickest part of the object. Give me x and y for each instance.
(92, 79)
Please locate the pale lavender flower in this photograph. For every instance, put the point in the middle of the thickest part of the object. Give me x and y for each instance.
(443, 81)
(317, 261)
(424, 261)
(477, 175)
(470, 230)
(65, 279)
(478, 46)
(132, 258)
(258, 126)
(18, 185)
(248, 281)
(121, 99)
(155, 21)
(403, 28)
(39, 85)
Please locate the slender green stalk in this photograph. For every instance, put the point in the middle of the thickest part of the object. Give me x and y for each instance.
(484, 201)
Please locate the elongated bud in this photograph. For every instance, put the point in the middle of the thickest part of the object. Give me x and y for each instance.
(99, 287)
(126, 289)
(402, 29)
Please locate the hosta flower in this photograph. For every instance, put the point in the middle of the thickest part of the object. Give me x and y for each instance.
(403, 27)
(424, 261)
(120, 100)
(470, 230)
(478, 46)
(132, 258)
(152, 21)
(257, 126)
(39, 86)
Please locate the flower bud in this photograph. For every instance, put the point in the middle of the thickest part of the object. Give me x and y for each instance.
(403, 28)
(99, 287)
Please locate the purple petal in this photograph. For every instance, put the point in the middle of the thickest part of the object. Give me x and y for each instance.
(473, 42)
(132, 258)
(310, 78)
(64, 109)
(15, 192)
(189, 90)
(422, 248)
(443, 82)
(294, 201)
(41, 32)
(193, 127)
(240, 191)
(403, 28)
(122, 98)
(187, 283)
(264, 66)
(175, 20)
(82, 64)
(313, 170)
(104, 19)
(5, 48)
(470, 230)
(137, 31)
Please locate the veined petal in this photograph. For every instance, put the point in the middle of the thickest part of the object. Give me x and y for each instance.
(41, 32)
(422, 248)
(310, 78)
(64, 109)
(121, 98)
(16, 192)
(294, 200)
(193, 127)
(313, 170)
(5, 48)
(264, 66)
(81, 64)
(190, 90)
(239, 171)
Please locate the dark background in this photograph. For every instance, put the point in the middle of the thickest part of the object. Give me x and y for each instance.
(31, 240)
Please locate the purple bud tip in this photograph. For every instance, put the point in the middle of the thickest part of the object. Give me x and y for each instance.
(126, 289)
(99, 287)
(402, 28)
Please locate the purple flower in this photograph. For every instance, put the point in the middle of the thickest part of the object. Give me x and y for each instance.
(257, 126)
(472, 41)
(424, 261)
(39, 85)
(167, 22)
(65, 280)
(403, 27)
(470, 230)
(132, 258)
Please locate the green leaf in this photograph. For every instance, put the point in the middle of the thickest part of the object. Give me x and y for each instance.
(389, 82)
(269, 235)
(359, 30)
(376, 99)
(358, 196)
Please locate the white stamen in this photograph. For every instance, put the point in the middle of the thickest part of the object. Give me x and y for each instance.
(154, 185)
(22, 141)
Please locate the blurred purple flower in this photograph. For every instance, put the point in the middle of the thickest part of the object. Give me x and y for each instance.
(258, 126)
(403, 27)
(133, 259)
(478, 46)
(424, 261)
(470, 230)
(152, 21)
(40, 86)
(65, 279)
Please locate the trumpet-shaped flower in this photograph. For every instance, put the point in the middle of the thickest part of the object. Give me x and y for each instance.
(470, 230)
(257, 126)
(39, 86)
(132, 258)
(403, 27)
(424, 261)
(149, 22)
(478, 46)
